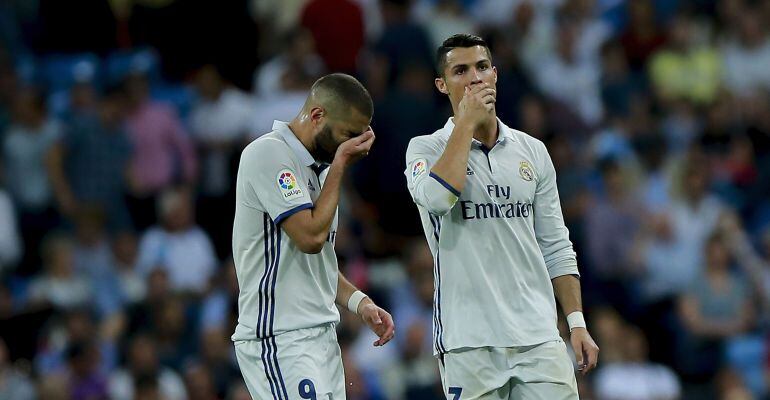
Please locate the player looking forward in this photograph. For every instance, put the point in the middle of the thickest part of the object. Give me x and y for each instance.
(490, 209)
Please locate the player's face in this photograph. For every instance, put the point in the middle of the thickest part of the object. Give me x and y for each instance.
(466, 67)
(335, 132)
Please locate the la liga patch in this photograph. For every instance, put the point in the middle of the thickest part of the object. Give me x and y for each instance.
(288, 185)
(418, 168)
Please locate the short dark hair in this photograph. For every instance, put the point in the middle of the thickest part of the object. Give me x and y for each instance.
(339, 91)
(454, 41)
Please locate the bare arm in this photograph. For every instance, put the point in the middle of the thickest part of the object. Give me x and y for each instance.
(697, 324)
(62, 191)
(567, 291)
(309, 228)
(378, 320)
(345, 289)
(475, 107)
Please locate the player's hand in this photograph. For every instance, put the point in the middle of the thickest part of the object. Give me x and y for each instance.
(355, 148)
(477, 104)
(378, 320)
(586, 350)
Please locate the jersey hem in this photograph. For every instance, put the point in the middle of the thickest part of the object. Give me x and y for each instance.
(505, 346)
(445, 184)
(289, 213)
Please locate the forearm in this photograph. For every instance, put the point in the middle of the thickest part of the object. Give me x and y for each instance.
(453, 163)
(567, 291)
(345, 289)
(325, 206)
(55, 166)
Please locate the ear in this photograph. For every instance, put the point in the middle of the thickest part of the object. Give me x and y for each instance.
(317, 114)
(441, 85)
(494, 69)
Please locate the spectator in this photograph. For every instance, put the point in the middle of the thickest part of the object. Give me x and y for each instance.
(26, 145)
(569, 79)
(125, 254)
(174, 333)
(90, 163)
(717, 306)
(163, 154)
(610, 328)
(86, 381)
(694, 213)
(591, 30)
(60, 285)
(618, 85)
(612, 225)
(83, 98)
(338, 29)
(215, 352)
(146, 388)
(746, 54)
(92, 258)
(635, 377)
(281, 84)
(142, 315)
(294, 69)
(199, 383)
(13, 383)
(731, 387)
(445, 18)
(684, 69)
(513, 84)
(642, 36)
(70, 329)
(143, 371)
(277, 17)
(178, 245)
(403, 42)
(220, 122)
(219, 307)
(405, 111)
(413, 308)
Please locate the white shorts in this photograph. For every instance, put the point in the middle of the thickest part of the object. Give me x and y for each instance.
(301, 364)
(540, 372)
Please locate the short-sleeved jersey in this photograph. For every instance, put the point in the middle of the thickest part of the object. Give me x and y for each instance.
(281, 288)
(496, 245)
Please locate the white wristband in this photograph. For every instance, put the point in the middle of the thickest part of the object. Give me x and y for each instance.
(575, 320)
(355, 300)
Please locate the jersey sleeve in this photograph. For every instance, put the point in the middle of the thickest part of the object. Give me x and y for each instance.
(271, 181)
(552, 235)
(427, 189)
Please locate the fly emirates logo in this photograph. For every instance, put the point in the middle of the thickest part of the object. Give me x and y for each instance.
(503, 208)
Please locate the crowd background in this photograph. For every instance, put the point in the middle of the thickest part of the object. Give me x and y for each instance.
(121, 124)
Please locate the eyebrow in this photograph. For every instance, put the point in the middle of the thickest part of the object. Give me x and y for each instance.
(479, 62)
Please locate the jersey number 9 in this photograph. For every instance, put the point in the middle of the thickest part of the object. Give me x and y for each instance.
(307, 389)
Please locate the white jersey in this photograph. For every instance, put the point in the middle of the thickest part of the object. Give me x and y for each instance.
(496, 245)
(281, 288)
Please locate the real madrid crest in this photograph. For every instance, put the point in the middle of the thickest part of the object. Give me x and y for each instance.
(525, 170)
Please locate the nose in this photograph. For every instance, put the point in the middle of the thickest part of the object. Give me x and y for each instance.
(476, 77)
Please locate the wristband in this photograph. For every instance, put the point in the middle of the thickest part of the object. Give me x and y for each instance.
(355, 300)
(575, 320)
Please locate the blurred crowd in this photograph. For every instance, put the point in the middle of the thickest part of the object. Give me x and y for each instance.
(121, 124)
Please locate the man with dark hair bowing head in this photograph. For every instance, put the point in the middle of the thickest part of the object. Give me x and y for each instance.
(487, 198)
(285, 227)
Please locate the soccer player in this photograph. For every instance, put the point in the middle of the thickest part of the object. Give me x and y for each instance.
(487, 198)
(288, 188)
